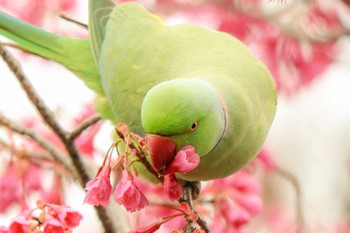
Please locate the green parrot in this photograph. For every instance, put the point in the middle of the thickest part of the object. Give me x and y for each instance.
(177, 85)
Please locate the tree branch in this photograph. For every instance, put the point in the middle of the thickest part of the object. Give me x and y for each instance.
(55, 153)
(47, 115)
(51, 121)
(84, 125)
(192, 189)
(83, 25)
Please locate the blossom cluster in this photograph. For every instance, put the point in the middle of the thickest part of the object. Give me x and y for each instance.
(227, 204)
(236, 200)
(46, 218)
(28, 164)
(126, 191)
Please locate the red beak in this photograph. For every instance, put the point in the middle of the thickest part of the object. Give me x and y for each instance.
(161, 149)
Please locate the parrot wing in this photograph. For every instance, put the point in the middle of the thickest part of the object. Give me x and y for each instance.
(99, 12)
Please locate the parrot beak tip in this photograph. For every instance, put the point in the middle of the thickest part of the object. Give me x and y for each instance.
(161, 149)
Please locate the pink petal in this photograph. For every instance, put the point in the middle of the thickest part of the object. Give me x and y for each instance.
(251, 202)
(9, 188)
(52, 225)
(184, 161)
(20, 223)
(55, 193)
(172, 187)
(99, 189)
(68, 217)
(4, 229)
(32, 177)
(127, 194)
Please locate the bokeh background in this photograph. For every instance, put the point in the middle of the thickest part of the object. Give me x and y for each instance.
(306, 46)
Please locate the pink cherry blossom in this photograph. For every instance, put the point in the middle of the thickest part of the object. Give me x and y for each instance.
(4, 229)
(85, 141)
(10, 189)
(31, 176)
(68, 217)
(172, 187)
(234, 215)
(99, 189)
(20, 224)
(52, 225)
(47, 218)
(185, 160)
(266, 160)
(127, 194)
(54, 193)
(249, 201)
(36, 10)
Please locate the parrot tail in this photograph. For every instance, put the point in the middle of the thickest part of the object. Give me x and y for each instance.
(74, 54)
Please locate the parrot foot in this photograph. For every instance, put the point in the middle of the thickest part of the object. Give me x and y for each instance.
(192, 190)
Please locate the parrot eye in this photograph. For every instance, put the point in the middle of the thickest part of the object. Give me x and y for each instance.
(194, 126)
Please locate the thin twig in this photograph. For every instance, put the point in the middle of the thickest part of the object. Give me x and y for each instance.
(42, 159)
(187, 197)
(46, 113)
(84, 125)
(83, 25)
(12, 45)
(142, 158)
(51, 121)
(189, 189)
(56, 154)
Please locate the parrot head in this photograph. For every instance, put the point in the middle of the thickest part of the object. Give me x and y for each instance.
(179, 113)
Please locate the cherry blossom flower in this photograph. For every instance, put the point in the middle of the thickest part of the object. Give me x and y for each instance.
(4, 229)
(36, 10)
(85, 141)
(47, 218)
(20, 223)
(68, 218)
(55, 193)
(234, 215)
(52, 225)
(99, 189)
(172, 187)
(127, 194)
(266, 160)
(185, 160)
(10, 189)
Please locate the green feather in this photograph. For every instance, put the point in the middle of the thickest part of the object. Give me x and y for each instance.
(99, 12)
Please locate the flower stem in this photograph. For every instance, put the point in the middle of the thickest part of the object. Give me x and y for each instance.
(141, 156)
